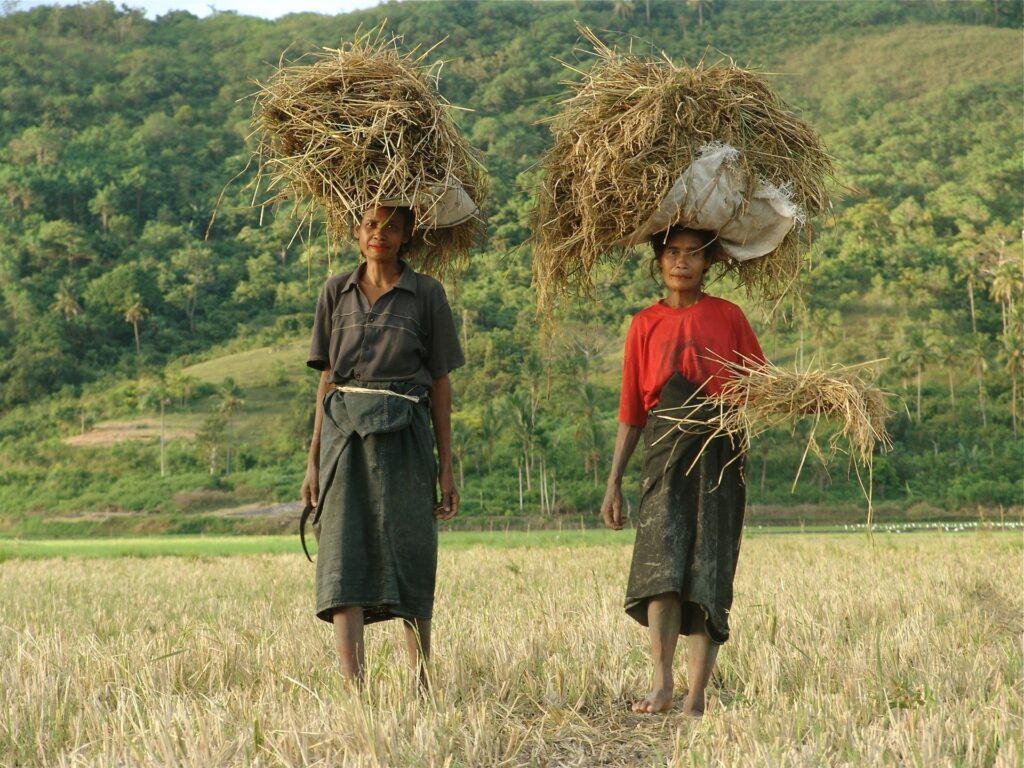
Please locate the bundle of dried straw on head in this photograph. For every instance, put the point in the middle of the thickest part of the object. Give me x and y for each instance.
(631, 128)
(363, 126)
(761, 396)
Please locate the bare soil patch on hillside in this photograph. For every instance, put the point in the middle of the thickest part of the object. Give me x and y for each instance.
(109, 433)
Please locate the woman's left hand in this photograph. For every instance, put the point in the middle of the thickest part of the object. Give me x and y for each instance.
(449, 506)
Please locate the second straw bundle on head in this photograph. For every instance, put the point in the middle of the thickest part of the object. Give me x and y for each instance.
(643, 143)
(362, 126)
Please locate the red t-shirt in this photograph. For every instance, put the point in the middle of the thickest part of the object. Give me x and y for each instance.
(663, 340)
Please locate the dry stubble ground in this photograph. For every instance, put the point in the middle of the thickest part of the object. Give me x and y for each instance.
(902, 651)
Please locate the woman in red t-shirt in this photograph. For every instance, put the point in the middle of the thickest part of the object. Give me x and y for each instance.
(691, 513)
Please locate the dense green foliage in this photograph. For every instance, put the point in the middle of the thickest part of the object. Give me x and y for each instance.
(119, 134)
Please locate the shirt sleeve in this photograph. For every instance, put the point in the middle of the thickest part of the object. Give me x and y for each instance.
(320, 346)
(631, 402)
(747, 344)
(444, 353)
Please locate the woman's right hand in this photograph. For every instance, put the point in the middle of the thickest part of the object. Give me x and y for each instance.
(625, 442)
(611, 507)
(311, 484)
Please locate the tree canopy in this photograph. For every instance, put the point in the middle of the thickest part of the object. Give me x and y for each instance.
(119, 135)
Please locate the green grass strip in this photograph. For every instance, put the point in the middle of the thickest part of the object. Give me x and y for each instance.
(223, 546)
(219, 546)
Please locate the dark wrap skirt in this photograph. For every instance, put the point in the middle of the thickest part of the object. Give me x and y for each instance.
(374, 523)
(690, 523)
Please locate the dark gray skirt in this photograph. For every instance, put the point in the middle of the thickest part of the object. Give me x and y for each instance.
(374, 523)
(690, 523)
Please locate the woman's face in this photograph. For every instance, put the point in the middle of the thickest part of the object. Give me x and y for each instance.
(381, 233)
(683, 262)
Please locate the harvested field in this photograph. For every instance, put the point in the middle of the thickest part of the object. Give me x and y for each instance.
(845, 652)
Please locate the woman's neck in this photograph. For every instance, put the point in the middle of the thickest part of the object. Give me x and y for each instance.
(680, 299)
(382, 273)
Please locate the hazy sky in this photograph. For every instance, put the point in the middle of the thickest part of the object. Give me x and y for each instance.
(268, 9)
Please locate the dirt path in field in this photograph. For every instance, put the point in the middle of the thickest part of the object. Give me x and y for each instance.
(109, 433)
(285, 509)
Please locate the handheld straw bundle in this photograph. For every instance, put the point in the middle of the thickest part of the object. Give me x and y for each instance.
(761, 396)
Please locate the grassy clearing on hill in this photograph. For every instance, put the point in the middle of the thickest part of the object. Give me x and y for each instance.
(262, 366)
(900, 651)
(904, 63)
(267, 377)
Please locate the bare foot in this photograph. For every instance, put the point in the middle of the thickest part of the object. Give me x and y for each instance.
(659, 700)
(693, 706)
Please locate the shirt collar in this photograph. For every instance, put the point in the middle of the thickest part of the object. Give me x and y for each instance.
(406, 280)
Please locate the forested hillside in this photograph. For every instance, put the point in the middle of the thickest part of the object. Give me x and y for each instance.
(148, 367)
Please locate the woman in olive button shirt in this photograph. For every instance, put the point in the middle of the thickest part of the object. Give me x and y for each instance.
(384, 341)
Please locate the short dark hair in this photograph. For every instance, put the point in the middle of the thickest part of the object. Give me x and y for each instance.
(708, 245)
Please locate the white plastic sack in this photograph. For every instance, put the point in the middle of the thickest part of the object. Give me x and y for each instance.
(709, 195)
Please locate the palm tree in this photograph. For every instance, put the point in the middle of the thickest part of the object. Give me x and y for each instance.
(979, 364)
(915, 354)
(492, 421)
(210, 437)
(969, 260)
(622, 9)
(588, 430)
(699, 6)
(462, 432)
(826, 328)
(467, 324)
(181, 387)
(946, 352)
(198, 273)
(64, 302)
(1007, 284)
(580, 348)
(229, 399)
(157, 394)
(524, 424)
(103, 205)
(134, 313)
(1011, 355)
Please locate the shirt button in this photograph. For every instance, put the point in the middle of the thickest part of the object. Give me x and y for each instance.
(356, 374)
(369, 319)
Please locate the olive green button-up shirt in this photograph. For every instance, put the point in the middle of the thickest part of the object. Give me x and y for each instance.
(408, 335)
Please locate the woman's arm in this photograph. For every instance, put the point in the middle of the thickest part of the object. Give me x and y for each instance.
(625, 443)
(311, 483)
(441, 415)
